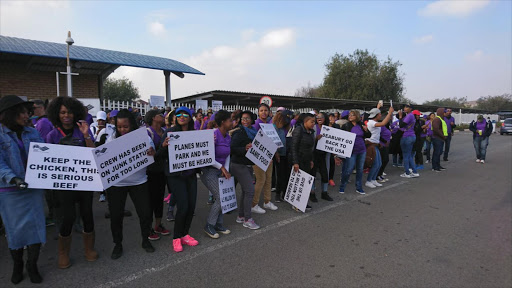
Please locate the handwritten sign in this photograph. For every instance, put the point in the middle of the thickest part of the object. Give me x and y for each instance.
(299, 188)
(62, 167)
(336, 141)
(262, 150)
(227, 194)
(271, 132)
(157, 101)
(201, 104)
(122, 157)
(190, 149)
(216, 105)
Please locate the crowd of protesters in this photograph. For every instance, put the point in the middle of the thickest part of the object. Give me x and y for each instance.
(406, 135)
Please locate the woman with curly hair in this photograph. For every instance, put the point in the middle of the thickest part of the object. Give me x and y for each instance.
(67, 116)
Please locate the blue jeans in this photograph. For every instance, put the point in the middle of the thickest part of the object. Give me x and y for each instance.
(377, 162)
(357, 160)
(407, 144)
(396, 160)
(436, 155)
(480, 144)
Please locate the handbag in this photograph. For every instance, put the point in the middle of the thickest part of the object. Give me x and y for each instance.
(370, 154)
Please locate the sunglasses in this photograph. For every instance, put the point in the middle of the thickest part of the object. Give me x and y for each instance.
(184, 115)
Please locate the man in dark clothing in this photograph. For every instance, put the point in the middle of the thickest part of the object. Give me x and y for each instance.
(450, 122)
(440, 132)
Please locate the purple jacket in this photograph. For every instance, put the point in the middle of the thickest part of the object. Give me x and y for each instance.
(43, 126)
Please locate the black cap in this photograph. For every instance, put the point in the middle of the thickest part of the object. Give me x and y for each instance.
(10, 101)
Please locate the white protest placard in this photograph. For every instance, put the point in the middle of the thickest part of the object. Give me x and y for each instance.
(92, 104)
(201, 104)
(120, 158)
(158, 101)
(336, 141)
(62, 167)
(271, 132)
(227, 194)
(190, 149)
(216, 105)
(299, 188)
(262, 150)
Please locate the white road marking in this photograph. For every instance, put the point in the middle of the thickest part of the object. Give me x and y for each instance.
(187, 257)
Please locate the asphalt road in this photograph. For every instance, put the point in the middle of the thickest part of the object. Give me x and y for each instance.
(450, 229)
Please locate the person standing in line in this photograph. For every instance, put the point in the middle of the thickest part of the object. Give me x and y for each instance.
(21, 208)
(407, 142)
(332, 166)
(321, 162)
(482, 130)
(263, 178)
(375, 127)
(67, 115)
(385, 138)
(420, 139)
(428, 138)
(155, 172)
(282, 124)
(211, 174)
(184, 185)
(450, 122)
(242, 168)
(394, 145)
(439, 134)
(136, 185)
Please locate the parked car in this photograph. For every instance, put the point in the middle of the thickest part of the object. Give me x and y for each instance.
(506, 126)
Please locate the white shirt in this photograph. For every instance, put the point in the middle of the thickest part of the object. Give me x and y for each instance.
(375, 132)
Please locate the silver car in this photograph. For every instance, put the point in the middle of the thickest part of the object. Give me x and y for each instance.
(506, 126)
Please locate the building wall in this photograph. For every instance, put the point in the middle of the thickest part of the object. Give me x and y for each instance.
(18, 80)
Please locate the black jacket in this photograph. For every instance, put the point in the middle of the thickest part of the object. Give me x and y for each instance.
(303, 144)
(488, 129)
(348, 127)
(239, 140)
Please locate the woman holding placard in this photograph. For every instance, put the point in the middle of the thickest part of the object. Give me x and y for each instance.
(136, 185)
(263, 178)
(321, 160)
(183, 183)
(242, 168)
(67, 116)
(21, 208)
(211, 174)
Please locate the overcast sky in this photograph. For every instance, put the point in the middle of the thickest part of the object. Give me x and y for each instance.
(447, 48)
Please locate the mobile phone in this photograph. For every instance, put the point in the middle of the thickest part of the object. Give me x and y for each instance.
(391, 103)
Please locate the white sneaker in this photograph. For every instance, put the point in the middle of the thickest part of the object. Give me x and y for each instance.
(384, 174)
(258, 210)
(482, 161)
(374, 182)
(270, 206)
(405, 175)
(414, 175)
(369, 184)
(477, 160)
(426, 162)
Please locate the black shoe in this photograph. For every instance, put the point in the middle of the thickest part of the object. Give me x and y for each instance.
(312, 197)
(17, 269)
(33, 256)
(308, 207)
(147, 246)
(107, 215)
(446, 160)
(127, 213)
(326, 196)
(117, 252)
(436, 170)
(442, 168)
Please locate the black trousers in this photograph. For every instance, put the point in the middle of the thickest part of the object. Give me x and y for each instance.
(66, 205)
(320, 166)
(116, 203)
(418, 148)
(384, 155)
(156, 185)
(184, 190)
(332, 167)
(283, 175)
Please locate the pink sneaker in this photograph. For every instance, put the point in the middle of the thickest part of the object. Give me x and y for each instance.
(187, 240)
(176, 244)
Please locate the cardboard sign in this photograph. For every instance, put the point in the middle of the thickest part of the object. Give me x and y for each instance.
(158, 101)
(92, 104)
(299, 188)
(262, 150)
(191, 149)
(227, 194)
(202, 104)
(271, 132)
(120, 158)
(336, 141)
(62, 167)
(216, 105)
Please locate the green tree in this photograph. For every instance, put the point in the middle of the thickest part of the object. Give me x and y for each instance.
(120, 90)
(448, 102)
(309, 91)
(362, 76)
(495, 103)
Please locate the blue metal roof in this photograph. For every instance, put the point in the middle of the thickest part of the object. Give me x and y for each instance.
(80, 53)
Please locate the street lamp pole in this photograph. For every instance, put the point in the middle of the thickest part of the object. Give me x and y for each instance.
(69, 42)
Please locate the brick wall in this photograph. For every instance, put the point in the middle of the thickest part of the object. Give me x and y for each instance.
(18, 80)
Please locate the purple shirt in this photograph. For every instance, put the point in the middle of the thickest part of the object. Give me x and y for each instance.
(43, 126)
(409, 129)
(197, 125)
(429, 128)
(385, 134)
(222, 147)
(256, 124)
(154, 136)
(448, 123)
(359, 146)
(293, 122)
(481, 126)
(89, 119)
(54, 136)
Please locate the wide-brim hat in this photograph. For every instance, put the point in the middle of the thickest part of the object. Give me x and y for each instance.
(10, 101)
